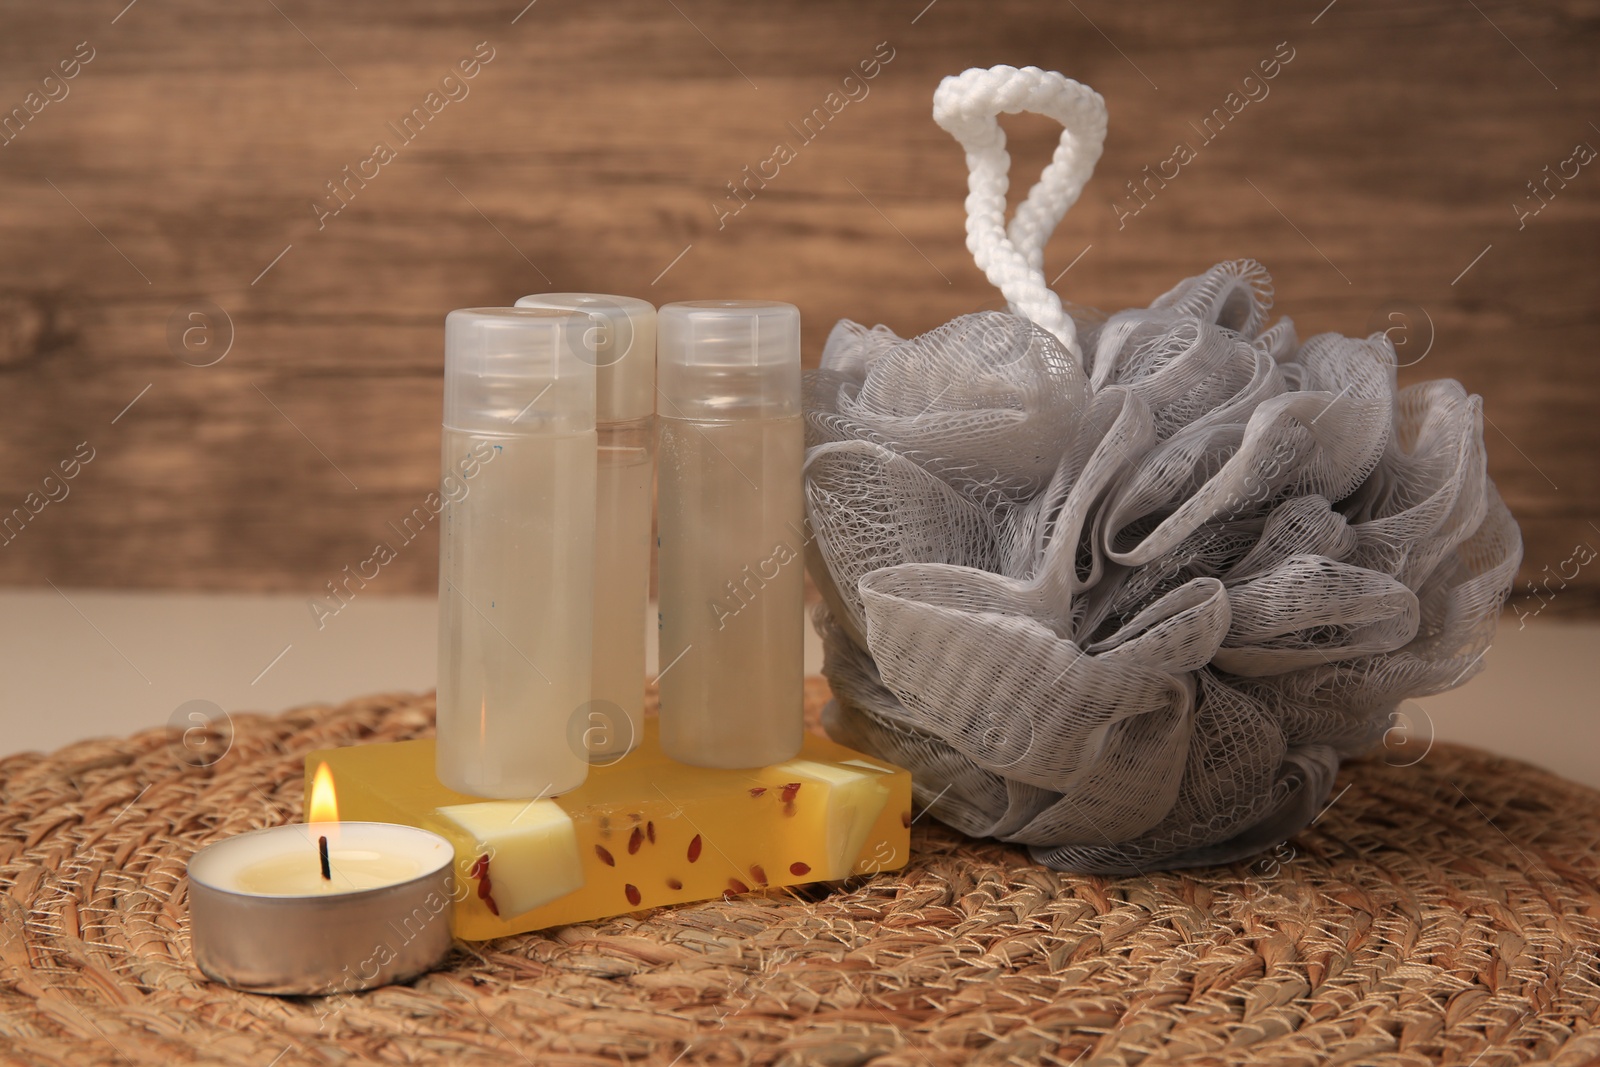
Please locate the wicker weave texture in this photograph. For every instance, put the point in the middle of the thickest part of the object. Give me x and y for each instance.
(1447, 912)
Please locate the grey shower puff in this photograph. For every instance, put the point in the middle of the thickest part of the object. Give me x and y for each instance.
(1132, 614)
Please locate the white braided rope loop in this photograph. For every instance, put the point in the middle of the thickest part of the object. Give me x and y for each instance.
(967, 106)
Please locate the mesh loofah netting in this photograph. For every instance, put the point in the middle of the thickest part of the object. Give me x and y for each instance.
(1126, 590)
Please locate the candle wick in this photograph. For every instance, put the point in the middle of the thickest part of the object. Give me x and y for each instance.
(322, 851)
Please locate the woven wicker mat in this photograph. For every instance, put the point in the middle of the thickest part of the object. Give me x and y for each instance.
(1445, 912)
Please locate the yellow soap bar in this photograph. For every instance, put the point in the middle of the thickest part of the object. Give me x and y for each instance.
(642, 832)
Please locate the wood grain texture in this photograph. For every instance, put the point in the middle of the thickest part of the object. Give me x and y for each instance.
(589, 153)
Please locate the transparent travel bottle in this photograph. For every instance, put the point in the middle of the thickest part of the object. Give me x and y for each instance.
(624, 331)
(730, 516)
(516, 550)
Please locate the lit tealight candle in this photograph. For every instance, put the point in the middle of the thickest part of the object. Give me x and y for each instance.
(322, 907)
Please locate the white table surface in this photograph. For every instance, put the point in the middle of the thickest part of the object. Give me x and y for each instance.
(76, 664)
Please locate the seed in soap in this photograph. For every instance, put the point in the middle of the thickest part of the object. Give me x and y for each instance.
(905, 819)
(632, 892)
(480, 871)
(605, 856)
(758, 874)
(650, 831)
(635, 840)
(799, 869)
(674, 884)
(757, 790)
(789, 791)
(694, 848)
(789, 809)
(736, 886)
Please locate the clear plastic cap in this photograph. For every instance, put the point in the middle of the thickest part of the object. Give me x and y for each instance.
(518, 371)
(729, 359)
(624, 333)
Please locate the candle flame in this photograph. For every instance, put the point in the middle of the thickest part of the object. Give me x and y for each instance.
(324, 805)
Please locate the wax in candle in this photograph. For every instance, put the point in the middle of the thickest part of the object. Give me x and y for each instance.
(353, 869)
(641, 832)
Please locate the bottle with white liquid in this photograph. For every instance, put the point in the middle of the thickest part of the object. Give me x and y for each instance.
(730, 515)
(516, 550)
(624, 331)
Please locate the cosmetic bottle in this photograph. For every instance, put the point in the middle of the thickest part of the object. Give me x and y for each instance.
(516, 550)
(730, 517)
(624, 333)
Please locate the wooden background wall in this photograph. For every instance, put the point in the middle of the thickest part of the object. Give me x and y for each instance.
(176, 173)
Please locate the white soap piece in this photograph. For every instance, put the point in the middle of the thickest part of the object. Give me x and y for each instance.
(532, 848)
(855, 799)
